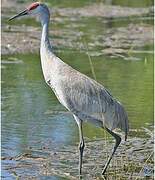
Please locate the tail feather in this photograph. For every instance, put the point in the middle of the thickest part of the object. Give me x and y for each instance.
(123, 119)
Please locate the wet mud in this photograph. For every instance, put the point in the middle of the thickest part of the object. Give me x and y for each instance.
(133, 160)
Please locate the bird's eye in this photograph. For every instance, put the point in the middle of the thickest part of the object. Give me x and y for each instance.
(33, 6)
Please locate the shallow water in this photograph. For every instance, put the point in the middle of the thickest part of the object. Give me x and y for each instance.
(32, 116)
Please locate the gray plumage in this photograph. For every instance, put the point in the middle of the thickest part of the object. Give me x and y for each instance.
(86, 99)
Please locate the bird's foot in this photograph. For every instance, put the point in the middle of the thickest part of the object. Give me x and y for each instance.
(80, 176)
(104, 170)
(104, 176)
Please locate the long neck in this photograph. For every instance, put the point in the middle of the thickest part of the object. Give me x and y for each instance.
(47, 57)
(45, 43)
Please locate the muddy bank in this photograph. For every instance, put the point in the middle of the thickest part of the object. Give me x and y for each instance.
(112, 41)
(106, 11)
(133, 159)
(121, 41)
(92, 10)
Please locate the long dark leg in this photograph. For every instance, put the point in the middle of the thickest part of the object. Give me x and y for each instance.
(81, 144)
(118, 140)
(81, 147)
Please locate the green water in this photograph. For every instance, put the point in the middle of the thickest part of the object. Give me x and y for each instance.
(31, 114)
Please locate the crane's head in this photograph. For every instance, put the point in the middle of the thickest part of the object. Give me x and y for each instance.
(36, 8)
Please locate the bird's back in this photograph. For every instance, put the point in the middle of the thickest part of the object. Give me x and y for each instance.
(86, 98)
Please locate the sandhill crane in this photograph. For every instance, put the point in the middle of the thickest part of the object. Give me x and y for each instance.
(85, 98)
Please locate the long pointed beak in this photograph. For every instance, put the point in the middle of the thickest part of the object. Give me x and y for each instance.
(23, 13)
